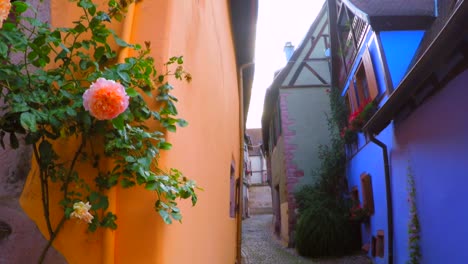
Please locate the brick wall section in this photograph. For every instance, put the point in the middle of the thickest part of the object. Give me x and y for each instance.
(293, 173)
(24, 243)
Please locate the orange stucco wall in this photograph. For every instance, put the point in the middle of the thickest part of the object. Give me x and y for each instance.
(200, 31)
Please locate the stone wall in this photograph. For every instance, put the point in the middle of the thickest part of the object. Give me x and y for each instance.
(20, 239)
(260, 199)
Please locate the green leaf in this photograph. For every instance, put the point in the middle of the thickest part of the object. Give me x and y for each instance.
(165, 216)
(124, 75)
(121, 42)
(165, 145)
(119, 122)
(8, 26)
(64, 47)
(182, 122)
(131, 92)
(99, 201)
(71, 111)
(171, 128)
(92, 10)
(180, 60)
(28, 121)
(3, 49)
(176, 216)
(86, 4)
(98, 53)
(126, 183)
(151, 186)
(102, 16)
(20, 7)
(130, 159)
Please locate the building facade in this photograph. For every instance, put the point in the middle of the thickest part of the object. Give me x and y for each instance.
(259, 188)
(410, 59)
(216, 39)
(294, 122)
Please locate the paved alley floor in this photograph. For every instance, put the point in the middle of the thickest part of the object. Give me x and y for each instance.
(260, 246)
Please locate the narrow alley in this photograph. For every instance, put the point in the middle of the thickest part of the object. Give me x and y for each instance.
(260, 246)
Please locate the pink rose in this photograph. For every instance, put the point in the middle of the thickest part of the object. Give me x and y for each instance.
(105, 99)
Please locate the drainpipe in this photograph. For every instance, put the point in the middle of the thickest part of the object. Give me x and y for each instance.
(126, 33)
(109, 236)
(241, 161)
(388, 191)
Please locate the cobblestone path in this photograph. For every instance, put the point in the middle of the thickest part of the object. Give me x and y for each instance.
(260, 246)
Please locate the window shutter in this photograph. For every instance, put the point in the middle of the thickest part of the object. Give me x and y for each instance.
(379, 245)
(367, 192)
(370, 74)
(352, 97)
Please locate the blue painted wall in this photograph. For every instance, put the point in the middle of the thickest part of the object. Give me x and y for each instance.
(399, 48)
(370, 160)
(433, 141)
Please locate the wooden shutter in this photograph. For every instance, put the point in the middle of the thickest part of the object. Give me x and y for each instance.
(367, 193)
(379, 244)
(370, 74)
(352, 97)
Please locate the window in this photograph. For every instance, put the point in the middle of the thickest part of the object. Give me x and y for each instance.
(363, 86)
(367, 193)
(232, 191)
(275, 127)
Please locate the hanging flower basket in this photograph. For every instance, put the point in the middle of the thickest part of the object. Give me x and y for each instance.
(357, 120)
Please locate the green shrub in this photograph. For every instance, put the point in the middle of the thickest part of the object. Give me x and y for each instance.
(323, 227)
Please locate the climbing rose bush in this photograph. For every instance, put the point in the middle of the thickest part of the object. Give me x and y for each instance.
(105, 99)
(68, 85)
(81, 211)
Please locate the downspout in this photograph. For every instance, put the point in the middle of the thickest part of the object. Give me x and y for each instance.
(388, 191)
(126, 34)
(241, 161)
(109, 236)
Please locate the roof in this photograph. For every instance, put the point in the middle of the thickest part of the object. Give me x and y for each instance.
(272, 92)
(244, 22)
(255, 141)
(393, 14)
(439, 42)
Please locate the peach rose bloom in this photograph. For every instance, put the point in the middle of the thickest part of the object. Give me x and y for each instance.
(5, 7)
(105, 99)
(81, 212)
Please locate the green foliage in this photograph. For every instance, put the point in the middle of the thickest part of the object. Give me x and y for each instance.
(43, 99)
(414, 228)
(324, 227)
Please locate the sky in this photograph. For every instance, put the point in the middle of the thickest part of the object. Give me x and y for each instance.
(279, 21)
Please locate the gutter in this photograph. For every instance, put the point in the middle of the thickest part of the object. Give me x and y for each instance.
(388, 191)
(241, 159)
(446, 40)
